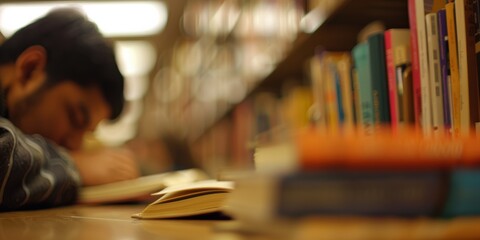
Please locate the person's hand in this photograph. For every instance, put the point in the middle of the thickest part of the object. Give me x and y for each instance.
(105, 165)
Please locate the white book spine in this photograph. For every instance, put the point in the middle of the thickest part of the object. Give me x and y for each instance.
(424, 73)
(436, 91)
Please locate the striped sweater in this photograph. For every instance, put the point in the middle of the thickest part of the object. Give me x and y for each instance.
(34, 173)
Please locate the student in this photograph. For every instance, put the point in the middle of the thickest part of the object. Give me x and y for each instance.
(58, 80)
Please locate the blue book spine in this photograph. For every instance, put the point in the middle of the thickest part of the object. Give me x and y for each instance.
(361, 57)
(445, 67)
(464, 193)
(367, 193)
(338, 90)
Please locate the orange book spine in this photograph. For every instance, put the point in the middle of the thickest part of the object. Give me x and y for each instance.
(453, 57)
(403, 150)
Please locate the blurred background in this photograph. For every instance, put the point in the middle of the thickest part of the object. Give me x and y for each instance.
(192, 70)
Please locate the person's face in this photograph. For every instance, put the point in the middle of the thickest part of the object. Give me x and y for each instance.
(62, 113)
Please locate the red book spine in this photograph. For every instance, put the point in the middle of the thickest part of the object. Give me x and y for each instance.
(417, 94)
(392, 85)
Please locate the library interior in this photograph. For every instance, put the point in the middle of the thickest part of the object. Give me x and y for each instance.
(244, 119)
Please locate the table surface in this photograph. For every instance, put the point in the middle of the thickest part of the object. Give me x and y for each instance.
(99, 222)
(115, 222)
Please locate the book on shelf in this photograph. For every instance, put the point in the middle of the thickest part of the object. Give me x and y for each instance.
(363, 87)
(436, 86)
(465, 25)
(397, 42)
(309, 149)
(332, 90)
(139, 189)
(477, 35)
(416, 76)
(267, 197)
(404, 85)
(420, 52)
(317, 70)
(454, 69)
(378, 73)
(186, 200)
(445, 69)
(344, 67)
(463, 193)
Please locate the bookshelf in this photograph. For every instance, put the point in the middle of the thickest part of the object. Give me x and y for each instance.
(340, 23)
(338, 32)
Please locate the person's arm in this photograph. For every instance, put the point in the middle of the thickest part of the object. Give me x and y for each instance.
(33, 172)
(105, 165)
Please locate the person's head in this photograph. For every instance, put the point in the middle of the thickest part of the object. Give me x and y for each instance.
(60, 77)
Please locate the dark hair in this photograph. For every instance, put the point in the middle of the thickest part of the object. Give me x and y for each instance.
(76, 51)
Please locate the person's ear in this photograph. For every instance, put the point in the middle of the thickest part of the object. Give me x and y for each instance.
(30, 66)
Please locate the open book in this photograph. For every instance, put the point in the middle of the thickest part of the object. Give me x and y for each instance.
(188, 200)
(138, 189)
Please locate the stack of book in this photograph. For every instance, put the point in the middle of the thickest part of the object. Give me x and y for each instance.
(388, 174)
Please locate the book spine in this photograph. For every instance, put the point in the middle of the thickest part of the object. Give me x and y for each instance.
(477, 35)
(465, 23)
(463, 196)
(391, 74)
(331, 97)
(453, 60)
(378, 68)
(423, 67)
(416, 77)
(476, 3)
(339, 94)
(436, 90)
(360, 193)
(404, 150)
(356, 98)
(444, 66)
(404, 85)
(362, 59)
(317, 74)
(344, 68)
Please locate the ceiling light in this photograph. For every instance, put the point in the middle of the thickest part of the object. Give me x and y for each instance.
(121, 18)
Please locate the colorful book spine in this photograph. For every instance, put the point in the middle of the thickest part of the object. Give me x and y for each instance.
(445, 69)
(416, 76)
(361, 57)
(344, 68)
(332, 90)
(356, 98)
(388, 193)
(477, 35)
(392, 85)
(317, 70)
(330, 93)
(463, 196)
(406, 149)
(395, 38)
(378, 73)
(469, 87)
(404, 85)
(436, 89)
(421, 34)
(454, 71)
(338, 89)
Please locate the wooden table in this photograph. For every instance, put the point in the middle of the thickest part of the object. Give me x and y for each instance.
(115, 222)
(99, 222)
